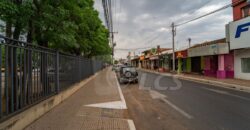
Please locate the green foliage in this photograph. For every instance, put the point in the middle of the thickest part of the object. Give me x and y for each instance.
(116, 62)
(7, 9)
(71, 26)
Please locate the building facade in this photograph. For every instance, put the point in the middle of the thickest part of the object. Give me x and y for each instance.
(238, 36)
(212, 59)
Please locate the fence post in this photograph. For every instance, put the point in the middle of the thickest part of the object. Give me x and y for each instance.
(57, 72)
(79, 68)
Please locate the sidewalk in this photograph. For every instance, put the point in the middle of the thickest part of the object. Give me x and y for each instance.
(238, 84)
(99, 105)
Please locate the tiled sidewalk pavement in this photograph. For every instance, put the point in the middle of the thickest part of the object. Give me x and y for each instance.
(230, 83)
(74, 114)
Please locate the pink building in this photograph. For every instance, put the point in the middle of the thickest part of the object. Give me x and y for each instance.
(216, 59)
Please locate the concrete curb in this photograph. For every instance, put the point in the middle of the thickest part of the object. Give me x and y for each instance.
(23, 119)
(204, 81)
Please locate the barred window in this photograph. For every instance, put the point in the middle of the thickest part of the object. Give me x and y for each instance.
(245, 65)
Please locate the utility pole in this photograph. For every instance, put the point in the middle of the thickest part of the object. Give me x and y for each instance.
(189, 42)
(113, 44)
(173, 35)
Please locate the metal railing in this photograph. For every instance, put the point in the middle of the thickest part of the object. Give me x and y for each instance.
(30, 74)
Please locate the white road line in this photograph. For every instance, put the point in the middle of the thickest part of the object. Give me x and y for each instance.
(216, 91)
(120, 92)
(227, 93)
(156, 95)
(131, 125)
(178, 109)
(110, 105)
(114, 104)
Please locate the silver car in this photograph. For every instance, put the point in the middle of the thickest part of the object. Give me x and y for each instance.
(127, 74)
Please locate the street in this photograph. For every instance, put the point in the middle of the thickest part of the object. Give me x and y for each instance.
(191, 105)
(125, 65)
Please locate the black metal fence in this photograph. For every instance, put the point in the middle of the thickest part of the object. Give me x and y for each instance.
(30, 74)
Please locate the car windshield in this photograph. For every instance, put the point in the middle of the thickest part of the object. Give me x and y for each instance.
(130, 69)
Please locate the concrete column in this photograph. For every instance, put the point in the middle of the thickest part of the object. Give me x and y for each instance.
(221, 73)
(179, 66)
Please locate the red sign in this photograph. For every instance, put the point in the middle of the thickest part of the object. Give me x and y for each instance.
(181, 54)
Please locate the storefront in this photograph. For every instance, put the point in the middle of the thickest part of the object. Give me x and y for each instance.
(154, 61)
(238, 35)
(135, 62)
(165, 61)
(141, 62)
(242, 64)
(212, 59)
(182, 61)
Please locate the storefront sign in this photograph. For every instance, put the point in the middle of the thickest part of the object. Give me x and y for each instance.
(214, 49)
(239, 34)
(142, 57)
(181, 54)
(154, 58)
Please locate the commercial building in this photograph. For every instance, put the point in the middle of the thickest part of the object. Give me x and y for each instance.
(238, 35)
(213, 59)
(183, 63)
(151, 59)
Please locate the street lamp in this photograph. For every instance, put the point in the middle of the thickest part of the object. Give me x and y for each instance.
(189, 42)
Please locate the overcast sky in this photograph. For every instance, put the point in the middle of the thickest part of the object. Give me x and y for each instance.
(145, 23)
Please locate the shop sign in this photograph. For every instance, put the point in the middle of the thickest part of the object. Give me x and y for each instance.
(142, 57)
(239, 33)
(154, 58)
(179, 55)
(214, 49)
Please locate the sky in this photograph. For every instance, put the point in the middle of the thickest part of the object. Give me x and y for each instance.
(143, 24)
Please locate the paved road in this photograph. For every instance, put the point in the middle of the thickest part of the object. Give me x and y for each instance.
(185, 105)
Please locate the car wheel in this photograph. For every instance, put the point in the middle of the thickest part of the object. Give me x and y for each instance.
(128, 74)
(136, 81)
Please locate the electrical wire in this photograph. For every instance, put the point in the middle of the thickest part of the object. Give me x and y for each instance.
(210, 13)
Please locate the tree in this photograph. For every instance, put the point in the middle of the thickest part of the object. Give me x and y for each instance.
(70, 26)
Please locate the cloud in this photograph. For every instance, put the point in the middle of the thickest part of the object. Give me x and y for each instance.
(143, 23)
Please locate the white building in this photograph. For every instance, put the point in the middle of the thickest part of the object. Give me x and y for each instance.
(238, 35)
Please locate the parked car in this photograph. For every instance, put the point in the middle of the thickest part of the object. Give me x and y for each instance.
(116, 68)
(127, 74)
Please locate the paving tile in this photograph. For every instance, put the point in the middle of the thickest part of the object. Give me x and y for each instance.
(72, 114)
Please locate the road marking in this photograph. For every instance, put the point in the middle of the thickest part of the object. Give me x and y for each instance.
(216, 91)
(227, 93)
(114, 104)
(110, 105)
(178, 109)
(156, 95)
(130, 122)
(131, 125)
(120, 92)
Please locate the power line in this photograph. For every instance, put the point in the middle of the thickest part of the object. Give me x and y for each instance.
(120, 11)
(150, 40)
(194, 10)
(139, 48)
(215, 11)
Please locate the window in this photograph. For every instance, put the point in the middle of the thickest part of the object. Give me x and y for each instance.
(245, 65)
(246, 11)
